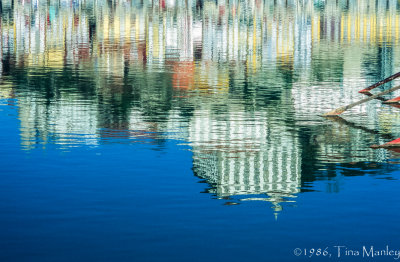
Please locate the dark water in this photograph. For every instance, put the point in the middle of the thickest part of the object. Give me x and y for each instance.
(189, 130)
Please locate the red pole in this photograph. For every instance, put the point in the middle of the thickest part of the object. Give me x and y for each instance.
(391, 144)
(384, 81)
(393, 100)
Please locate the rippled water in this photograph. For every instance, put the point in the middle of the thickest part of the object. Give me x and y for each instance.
(191, 130)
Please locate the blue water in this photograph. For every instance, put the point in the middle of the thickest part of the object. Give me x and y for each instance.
(124, 140)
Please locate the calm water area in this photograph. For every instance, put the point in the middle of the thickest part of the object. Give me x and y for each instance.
(190, 130)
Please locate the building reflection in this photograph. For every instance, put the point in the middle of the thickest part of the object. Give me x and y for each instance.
(241, 156)
(240, 81)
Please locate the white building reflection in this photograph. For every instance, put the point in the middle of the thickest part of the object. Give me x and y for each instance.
(240, 155)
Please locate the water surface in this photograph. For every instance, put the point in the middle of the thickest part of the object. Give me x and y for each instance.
(190, 130)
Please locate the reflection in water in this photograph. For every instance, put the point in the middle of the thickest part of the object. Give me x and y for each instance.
(239, 155)
(242, 82)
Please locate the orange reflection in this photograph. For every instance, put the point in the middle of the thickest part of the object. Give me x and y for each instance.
(183, 75)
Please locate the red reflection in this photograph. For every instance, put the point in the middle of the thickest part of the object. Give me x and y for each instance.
(183, 75)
